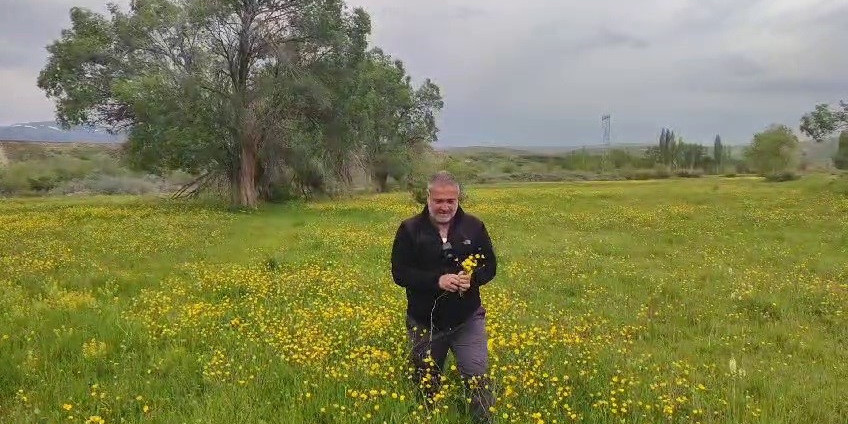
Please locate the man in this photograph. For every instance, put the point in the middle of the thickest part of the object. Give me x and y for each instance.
(444, 310)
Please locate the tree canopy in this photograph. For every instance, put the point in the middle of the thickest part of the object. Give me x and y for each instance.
(823, 121)
(773, 150)
(265, 94)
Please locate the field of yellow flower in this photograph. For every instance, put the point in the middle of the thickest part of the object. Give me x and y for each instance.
(686, 301)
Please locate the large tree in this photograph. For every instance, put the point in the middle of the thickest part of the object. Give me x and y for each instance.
(773, 150)
(823, 121)
(402, 118)
(258, 91)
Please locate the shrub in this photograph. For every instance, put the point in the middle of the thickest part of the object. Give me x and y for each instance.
(839, 185)
(12, 182)
(742, 168)
(43, 182)
(419, 193)
(782, 176)
(689, 173)
(280, 193)
(661, 171)
(107, 184)
(638, 174)
(646, 174)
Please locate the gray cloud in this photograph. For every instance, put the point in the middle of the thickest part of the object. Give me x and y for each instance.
(737, 65)
(26, 28)
(543, 71)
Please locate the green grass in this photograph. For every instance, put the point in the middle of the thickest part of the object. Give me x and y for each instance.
(614, 301)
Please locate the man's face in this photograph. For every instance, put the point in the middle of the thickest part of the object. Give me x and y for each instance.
(442, 202)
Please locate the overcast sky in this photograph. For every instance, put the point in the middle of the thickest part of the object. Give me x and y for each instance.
(543, 72)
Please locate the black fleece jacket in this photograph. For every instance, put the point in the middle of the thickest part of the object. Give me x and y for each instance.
(419, 258)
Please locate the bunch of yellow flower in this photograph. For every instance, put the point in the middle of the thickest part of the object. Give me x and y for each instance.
(471, 263)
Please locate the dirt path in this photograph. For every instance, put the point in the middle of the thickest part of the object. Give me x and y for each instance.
(3, 159)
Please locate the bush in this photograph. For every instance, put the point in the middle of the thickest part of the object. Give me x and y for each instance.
(839, 185)
(656, 173)
(777, 177)
(661, 171)
(279, 193)
(419, 194)
(646, 174)
(689, 173)
(742, 168)
(107, 184)
(527, 176)
(12, 182)
(35, 169)
(43, 182)
(639, 174)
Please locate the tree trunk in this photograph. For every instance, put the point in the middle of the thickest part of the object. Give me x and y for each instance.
(245, 191)
(382, 180)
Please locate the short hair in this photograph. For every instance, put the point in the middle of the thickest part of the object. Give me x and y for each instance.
(442, 178)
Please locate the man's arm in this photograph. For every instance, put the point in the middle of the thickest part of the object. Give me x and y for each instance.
(404, 273)
(487, 272)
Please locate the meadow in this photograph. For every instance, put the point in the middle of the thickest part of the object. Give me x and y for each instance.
(708, 300)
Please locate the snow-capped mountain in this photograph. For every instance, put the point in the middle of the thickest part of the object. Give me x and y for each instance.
(51, 131)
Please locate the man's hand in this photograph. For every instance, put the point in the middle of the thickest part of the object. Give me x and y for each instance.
(464, 281)
(449, 282)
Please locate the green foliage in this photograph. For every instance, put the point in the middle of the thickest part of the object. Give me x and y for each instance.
(693, 156)
(303, 103)
(774, 150)
(781, 176)
(823, 121)
(464, 170)
(839, 184)
(659, 172)
(48, 170)
(675, 153)
(721, 155)
(668, 150)
(80, 70)
(688, 173)
(13, 180)
(399, 119)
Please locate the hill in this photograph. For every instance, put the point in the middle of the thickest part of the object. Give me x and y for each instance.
(12, 151)
(542, 150)
(52, 132)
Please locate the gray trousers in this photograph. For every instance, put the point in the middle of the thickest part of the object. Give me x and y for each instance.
(469, 343)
